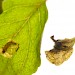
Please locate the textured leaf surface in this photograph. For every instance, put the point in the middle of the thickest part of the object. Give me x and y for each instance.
(22, 21)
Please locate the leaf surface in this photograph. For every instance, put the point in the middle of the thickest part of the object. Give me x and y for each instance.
(22, 22)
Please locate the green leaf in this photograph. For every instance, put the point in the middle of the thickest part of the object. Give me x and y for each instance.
(21, 26)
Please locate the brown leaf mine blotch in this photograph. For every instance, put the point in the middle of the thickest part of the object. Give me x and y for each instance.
(61, 52)
(9, 49)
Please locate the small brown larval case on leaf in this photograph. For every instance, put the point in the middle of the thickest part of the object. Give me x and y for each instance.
(62, 50)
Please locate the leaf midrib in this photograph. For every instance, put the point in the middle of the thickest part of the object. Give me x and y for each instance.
(27, 19)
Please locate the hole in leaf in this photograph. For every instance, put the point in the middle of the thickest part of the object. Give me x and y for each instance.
(9, 49)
